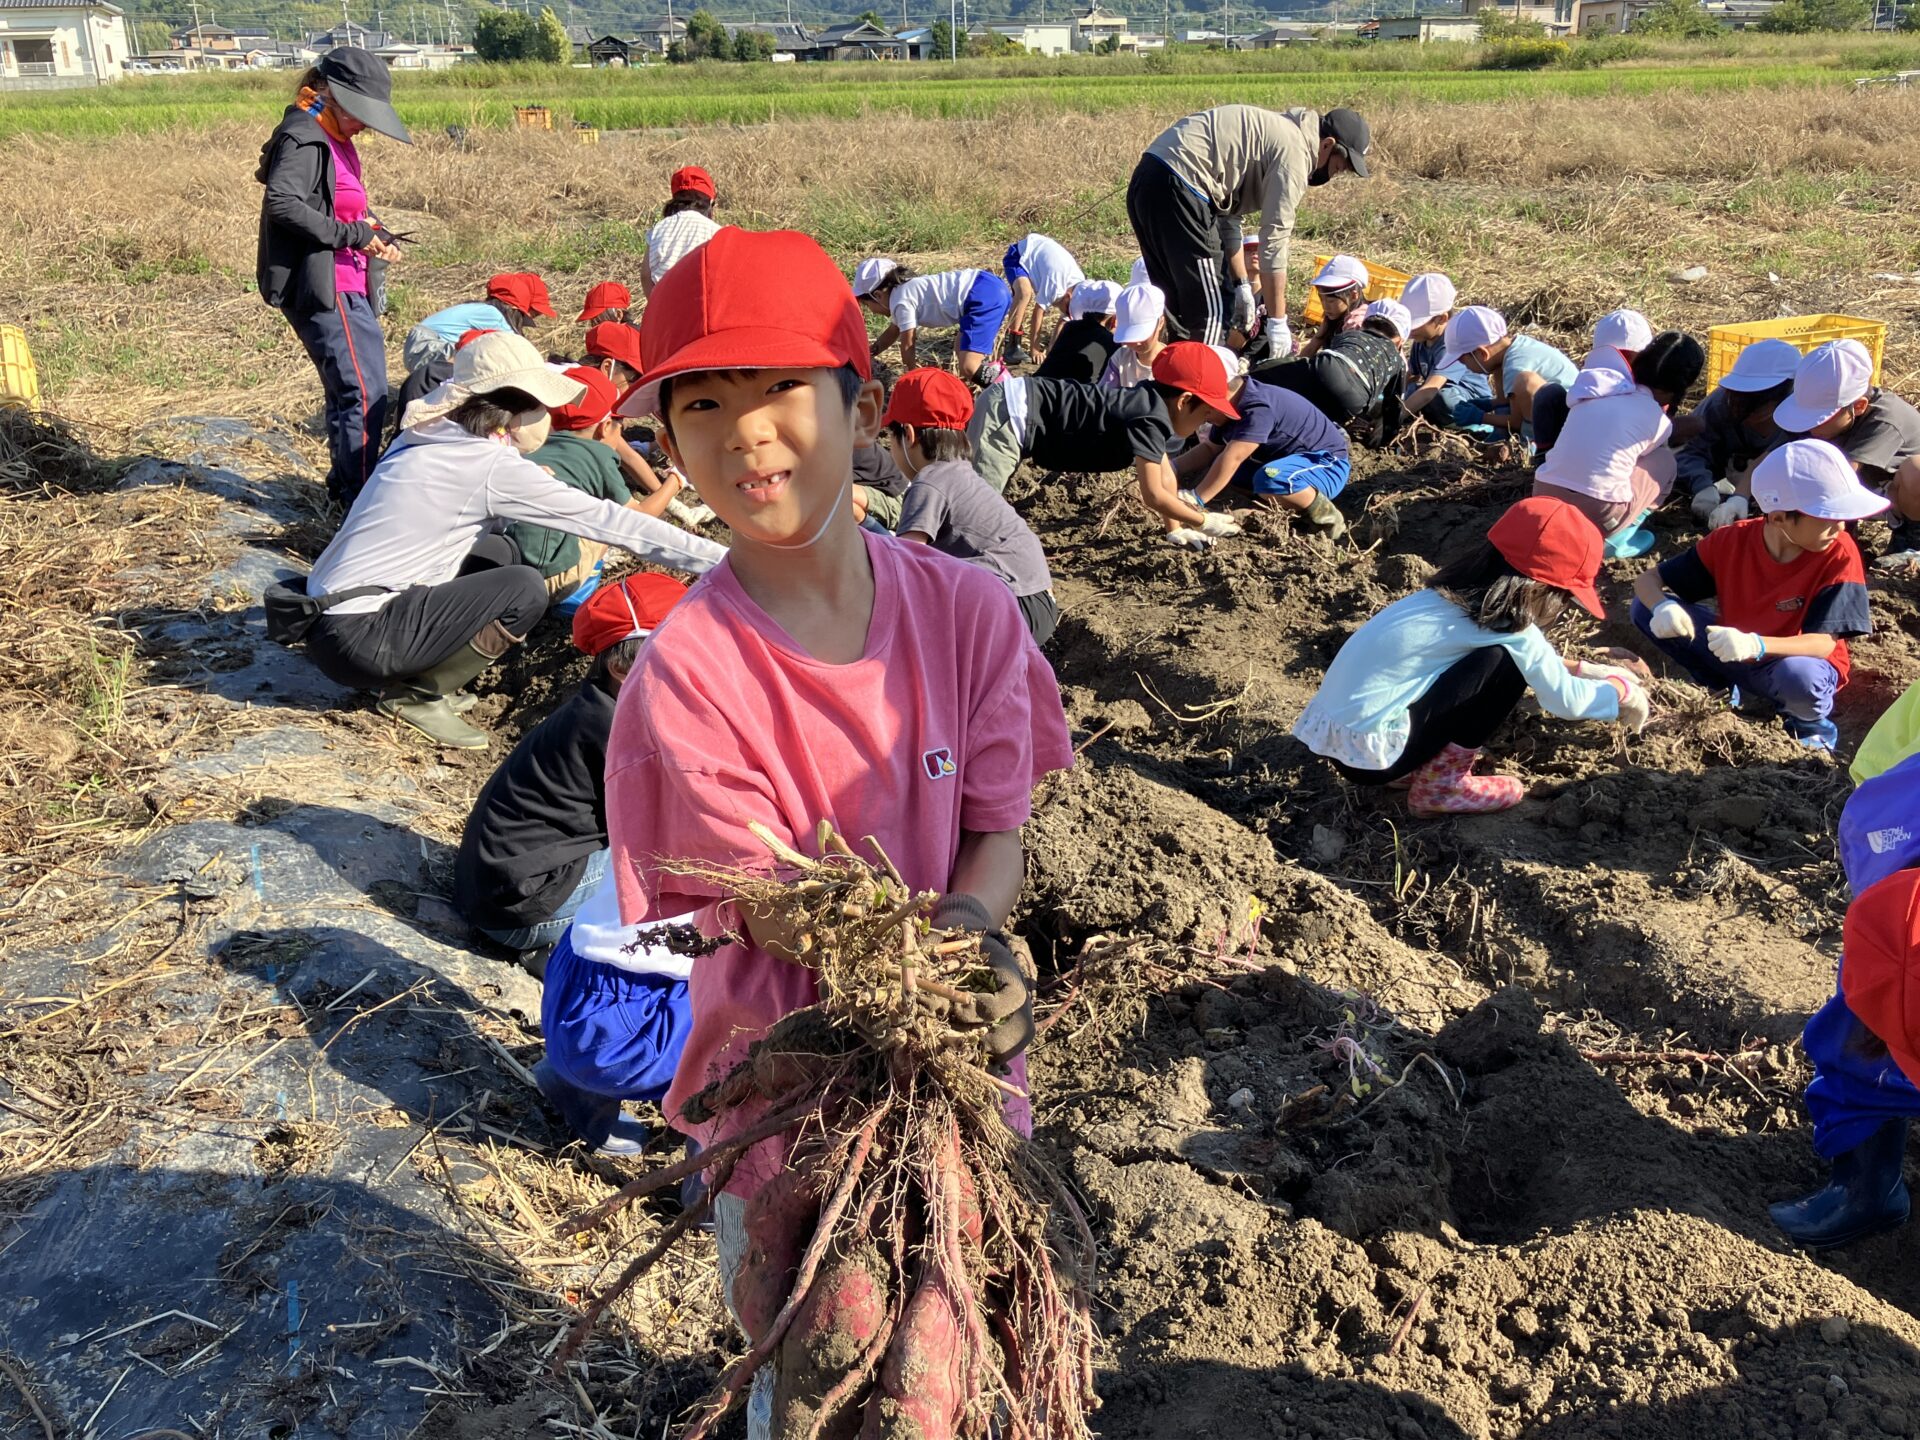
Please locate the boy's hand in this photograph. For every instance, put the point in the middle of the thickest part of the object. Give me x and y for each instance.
(1220, 527)
(1279, 337)
(776, 932)
(1635, 708)
(1729, 511)
(1006, 1013)
(1245, 308)
(1672, 622)
(1734, 647)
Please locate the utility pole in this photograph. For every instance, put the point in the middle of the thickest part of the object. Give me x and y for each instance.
(953, 31)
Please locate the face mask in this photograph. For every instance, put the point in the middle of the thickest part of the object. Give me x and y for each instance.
(529, 431)
(1318, 177)
(821, 529)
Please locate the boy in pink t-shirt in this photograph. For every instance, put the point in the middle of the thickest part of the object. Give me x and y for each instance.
(819, 672)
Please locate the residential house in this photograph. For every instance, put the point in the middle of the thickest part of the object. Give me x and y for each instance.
(655, 37)
(790, 42)
(50, 46)
(402, 56)
(856, 40)
(1093, 29)
(609, 52)
(1200, 37)
(1036, 38)
(1607, 17)
(1739, 14)
(1424, 29)
(204, 38)
(348, 33)
(918, 43)
(1556, 15)
(1279, 38)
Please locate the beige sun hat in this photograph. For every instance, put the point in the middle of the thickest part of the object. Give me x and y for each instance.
(499, 360)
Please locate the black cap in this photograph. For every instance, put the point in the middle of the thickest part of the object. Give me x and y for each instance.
(359, 81)
(1351, 135)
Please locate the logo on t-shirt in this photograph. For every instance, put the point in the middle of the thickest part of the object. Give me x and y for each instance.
(1792, 602)
(938, 763)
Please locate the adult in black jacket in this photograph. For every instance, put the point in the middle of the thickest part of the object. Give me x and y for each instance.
(316, 239)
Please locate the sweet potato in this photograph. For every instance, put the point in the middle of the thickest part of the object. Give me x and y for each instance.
(924, 1386)
(833, 1332)
(779, 1221)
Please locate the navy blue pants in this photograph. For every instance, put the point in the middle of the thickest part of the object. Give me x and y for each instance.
(349, 349)
(1856, 1086)
(1801, 685)
(612, 1031)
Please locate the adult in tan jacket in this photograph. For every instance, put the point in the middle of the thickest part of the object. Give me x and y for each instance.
(1195, 182)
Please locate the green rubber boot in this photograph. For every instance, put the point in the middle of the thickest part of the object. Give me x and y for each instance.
(1324, 517)
(425, 701)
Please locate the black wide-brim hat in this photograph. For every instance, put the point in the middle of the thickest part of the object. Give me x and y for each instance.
(363, 87)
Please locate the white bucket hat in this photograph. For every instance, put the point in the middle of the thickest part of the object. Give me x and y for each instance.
(1469, 329)
(1395, 313)
(1342, 272)
(1622, 330)
(498, 360)
(1829, 378)
(869, 273)
(1815, 478)
(1093, 297)
(1137, 311)
(1428, 295)
(1761, 366)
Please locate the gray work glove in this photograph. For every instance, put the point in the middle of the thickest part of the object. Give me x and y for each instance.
(1006, 1012)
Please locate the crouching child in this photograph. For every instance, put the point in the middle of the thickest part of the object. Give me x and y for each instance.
(948, 505)
(821, 671)
(1789, 589)
(1417, 692)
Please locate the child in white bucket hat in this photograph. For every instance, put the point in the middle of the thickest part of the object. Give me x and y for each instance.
(1451, 396)
(1139, 332)
(1788, 591)
(1732, 429)
(1342, 286)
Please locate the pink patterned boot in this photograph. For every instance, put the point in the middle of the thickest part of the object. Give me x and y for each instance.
(1446, 785)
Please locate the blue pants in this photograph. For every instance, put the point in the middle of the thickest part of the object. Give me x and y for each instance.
(981, 313)
(1802, 686)
(1856, 1086)
(1010, 265)
(612, 1031)
(1463, 401)
(549, 931)
(349, 349)
(1290, 474)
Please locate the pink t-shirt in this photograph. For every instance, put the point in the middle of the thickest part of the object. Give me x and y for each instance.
(349, 205)
(943, 725)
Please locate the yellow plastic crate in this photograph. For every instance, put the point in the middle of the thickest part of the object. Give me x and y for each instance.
(19, 380)
(1803, 332)
(533, 117)
(1383, 283)
(586, 135)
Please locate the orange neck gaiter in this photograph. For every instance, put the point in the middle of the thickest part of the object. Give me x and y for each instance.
(316, 105)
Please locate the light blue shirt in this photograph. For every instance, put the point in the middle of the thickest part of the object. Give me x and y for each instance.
(1359, 716)
(1528, 354)
(454, 321)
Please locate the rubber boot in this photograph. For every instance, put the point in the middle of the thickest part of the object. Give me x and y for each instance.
(1814, 734)
(596, 1119)
(1866, 1194)
(425, 701)
(1630, 541)
(1446, 785)
(1324, 517)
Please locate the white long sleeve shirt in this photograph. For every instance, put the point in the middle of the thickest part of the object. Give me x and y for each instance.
(439, 488)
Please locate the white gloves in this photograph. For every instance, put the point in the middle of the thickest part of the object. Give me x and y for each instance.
(1184, 539)
(1245, 307)
(1708, 497)
(1279, 338)
(1220, 527)
(1672, 622)
(1732, 647)
(1634, 705)
(1730, 511)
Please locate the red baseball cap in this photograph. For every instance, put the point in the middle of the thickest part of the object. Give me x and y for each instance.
(930, 397)
(469, 337)
(1880, 949)
(1195, 368)
(749, 300)
(615, 340)
(594, 405)
(693, 177)
(527, 293)
(613, 613)
(607, 295)
(1548, 540)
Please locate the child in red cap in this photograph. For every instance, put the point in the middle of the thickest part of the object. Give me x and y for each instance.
(1417, 691)
(511, 302)
(948, 505)
(1066, 425)
(582, 450)
(820, 671)
(685, 225)
(607, 301)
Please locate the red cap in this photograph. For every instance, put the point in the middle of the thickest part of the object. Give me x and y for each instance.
(935, 398)
(615, 340)
(692, 177)
(1548, 540)
(607, 295)
(1190, 366)
(749, 300)
(592, 407)
(1880, 949)
(526, 293)
(619, 612)
(468, 338)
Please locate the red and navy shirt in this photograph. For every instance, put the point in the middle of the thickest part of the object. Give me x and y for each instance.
(1821, 592)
